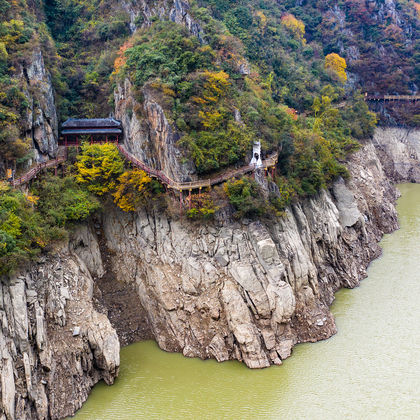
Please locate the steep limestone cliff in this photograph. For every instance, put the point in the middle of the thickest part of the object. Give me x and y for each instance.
(252, 291)
(150, 136)
(41, 122)
(54, 345)
(226, 290)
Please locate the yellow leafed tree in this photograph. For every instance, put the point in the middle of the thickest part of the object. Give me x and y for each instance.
(216, 85)
(132, 191)
(337, 66)
(296, 26)
(262, 20)
(99, 166)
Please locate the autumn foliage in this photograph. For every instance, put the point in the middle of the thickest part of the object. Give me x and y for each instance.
(296, 26)
(122, 58)
(132, 190)
(337, 66)
(98, 167)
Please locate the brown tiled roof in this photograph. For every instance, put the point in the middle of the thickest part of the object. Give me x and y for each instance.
(73, 123)
(82, 131)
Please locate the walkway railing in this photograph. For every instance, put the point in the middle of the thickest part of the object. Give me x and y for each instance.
(201, 183)
(161, 176)
(32, 173)
(410, 98)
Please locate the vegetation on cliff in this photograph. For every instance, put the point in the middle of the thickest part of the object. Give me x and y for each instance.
(33, 221)
(286, 74)
(220, 109)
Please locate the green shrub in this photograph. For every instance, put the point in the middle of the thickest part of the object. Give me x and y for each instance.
(245, 197)
(63, 201)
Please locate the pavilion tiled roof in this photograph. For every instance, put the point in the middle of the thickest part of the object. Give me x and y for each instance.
(90, 123)
(83, 131)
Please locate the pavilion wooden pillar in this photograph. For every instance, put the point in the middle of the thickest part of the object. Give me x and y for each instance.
(189, 200)
(65, 141)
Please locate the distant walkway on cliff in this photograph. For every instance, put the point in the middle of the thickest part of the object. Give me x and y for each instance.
(392, 98)
(270, 162)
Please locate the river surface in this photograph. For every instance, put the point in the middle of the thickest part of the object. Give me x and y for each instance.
(369, 370)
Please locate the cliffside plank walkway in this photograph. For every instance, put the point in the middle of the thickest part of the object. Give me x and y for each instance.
(392, 98)
(162, 177)
(193, 185)
(33, 172)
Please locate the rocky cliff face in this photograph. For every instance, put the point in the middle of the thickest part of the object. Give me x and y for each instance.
(399, 151)
(225, 290)
(54, 345)
(252, 291)
(39, 123)
(149, 135)
(42, 122)
(142, 11)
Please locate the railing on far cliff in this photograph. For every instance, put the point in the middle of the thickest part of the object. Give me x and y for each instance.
(391, 98)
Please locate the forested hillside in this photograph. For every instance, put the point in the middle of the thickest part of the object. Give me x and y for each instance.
(218, 75)
(283, 42)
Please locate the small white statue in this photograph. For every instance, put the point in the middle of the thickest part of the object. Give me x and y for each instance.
(256, 155)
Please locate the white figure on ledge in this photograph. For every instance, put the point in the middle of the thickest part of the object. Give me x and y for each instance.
(256, 155)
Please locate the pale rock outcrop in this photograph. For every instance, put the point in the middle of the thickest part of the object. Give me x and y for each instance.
(46, 372)
(346, 204)
(148, 135)
(85, 245)
(179, 14)
(400, 152)
(142, 11)
(252, 291)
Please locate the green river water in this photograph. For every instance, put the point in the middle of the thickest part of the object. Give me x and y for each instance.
(369, 370)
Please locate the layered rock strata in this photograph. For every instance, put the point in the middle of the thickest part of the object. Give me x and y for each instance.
(53, 344)
(252, 291)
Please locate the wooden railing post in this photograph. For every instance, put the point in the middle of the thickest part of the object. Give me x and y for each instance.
(180, 203)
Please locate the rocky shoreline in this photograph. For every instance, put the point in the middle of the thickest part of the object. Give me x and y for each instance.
(226, 291)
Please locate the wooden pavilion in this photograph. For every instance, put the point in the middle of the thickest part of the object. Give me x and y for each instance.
(96, 130)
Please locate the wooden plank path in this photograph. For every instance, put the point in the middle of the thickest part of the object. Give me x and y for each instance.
(193, 185)
(155, 173)
(32, 173)
(410, 98)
